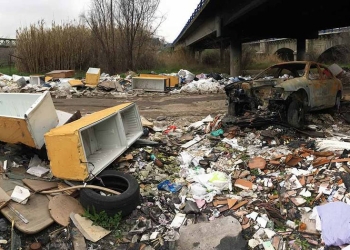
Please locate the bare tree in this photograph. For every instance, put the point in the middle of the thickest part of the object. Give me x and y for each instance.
(135, 19)
(122, 28)
(100, 19)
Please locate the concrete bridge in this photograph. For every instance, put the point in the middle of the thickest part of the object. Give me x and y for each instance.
(286, 48)
(225, 24)
(7, 42)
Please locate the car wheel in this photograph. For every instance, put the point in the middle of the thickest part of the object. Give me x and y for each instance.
(296, 114)
(232, 108)
(125, 202)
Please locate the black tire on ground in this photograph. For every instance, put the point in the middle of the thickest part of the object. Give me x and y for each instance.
(296, 114)
(125, 202)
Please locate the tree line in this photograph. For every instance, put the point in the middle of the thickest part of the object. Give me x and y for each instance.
(115, 35)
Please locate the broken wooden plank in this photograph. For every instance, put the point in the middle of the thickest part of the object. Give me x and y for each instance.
(90, 232)
(37, 185)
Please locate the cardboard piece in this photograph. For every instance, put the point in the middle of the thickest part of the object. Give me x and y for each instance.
(61, 73)
(146, 123)
(4, 198)
(37, 186)
(231, 202)
(61, 206)
(20, 195)
(35, 211)
(75, 82)
(90, 232)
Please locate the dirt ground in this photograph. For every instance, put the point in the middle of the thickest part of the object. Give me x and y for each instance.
(153, 105)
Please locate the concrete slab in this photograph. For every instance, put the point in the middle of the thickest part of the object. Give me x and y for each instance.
(221, 234)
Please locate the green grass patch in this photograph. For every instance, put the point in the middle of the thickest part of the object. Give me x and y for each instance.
(7, 70)
(101, 219)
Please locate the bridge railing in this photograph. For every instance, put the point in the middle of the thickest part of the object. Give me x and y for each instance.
(193, 16)
(321, 32)
(335, 30)
(7, 42)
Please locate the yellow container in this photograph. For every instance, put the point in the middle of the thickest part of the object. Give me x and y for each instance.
(92, 77)
(25, 118)
(171, 82)
(83, 148)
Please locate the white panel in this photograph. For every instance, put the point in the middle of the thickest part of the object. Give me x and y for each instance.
(132, 124)
(41, 117)
(93, 71)
(16, 104)
(103, 142)
(149, 84)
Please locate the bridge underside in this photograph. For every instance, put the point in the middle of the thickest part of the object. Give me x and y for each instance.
(221, 20)
(223, 23)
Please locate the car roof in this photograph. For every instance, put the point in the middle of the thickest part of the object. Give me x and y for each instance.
(297, 62)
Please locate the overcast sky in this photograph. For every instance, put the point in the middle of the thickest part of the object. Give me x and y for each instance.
(21, 13)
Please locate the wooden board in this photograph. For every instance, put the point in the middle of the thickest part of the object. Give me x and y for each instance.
(4, 198)
(37, 186)
(61, 206)
(35, 211)
(91, 232)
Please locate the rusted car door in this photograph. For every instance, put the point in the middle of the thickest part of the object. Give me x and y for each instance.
(314, 84)
(328, 82)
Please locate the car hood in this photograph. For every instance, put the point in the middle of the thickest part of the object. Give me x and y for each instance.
(286, 84)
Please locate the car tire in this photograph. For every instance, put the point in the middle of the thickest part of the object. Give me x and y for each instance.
(125, 202)
(232, 109)
(296, 114)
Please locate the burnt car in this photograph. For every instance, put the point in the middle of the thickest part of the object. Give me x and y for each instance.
(290, 89)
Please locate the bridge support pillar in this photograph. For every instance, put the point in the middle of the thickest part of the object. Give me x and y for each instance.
(192, 52)
(222, 52)
(235, 56)
(301, 49)
(200, 56)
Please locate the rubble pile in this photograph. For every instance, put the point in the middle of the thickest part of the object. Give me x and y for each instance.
(104, 85)
(252, 182)
(270, 187)
(110, 86)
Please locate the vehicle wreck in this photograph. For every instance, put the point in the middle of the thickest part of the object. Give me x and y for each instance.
(288, 89)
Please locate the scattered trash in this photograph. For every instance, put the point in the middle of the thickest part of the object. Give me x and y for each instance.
(168, 186)
(20, 195)
(256, 183)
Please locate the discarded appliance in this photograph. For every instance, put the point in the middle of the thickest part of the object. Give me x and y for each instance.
(171, 81)
(61, 73)
(149, 84)
(83, 148)
(92, 77)
(25, 118)
(335, 69)
(35, 79)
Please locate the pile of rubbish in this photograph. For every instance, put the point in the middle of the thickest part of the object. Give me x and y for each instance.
(267, 187)
(114, 86)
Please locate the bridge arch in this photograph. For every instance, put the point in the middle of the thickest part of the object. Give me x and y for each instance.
(335, 54)
(285, 54)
